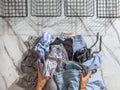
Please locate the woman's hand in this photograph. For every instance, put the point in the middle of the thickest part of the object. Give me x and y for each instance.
(84, 80)
(41, 80)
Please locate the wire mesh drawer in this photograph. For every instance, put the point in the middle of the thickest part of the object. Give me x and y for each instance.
(13, 8)
(79, 8)
(46, 8)
(108, 8)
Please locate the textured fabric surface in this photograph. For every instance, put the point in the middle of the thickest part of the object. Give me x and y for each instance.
(82, 55)
(94, 63)
(29, 68)
(43, 44)
(56, 57)
(68, 45)
(69, 79)
(78, 43)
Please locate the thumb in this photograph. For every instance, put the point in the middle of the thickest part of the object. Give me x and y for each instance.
(47, 78)
(40, 76)
(89, 74)
(81, 75)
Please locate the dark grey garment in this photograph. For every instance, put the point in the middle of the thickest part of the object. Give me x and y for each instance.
(28, 82)
(60, 51)
(29, 63)
(82, 56)
(31, 41)
(29, 68)
(68, 45)
(51, 85)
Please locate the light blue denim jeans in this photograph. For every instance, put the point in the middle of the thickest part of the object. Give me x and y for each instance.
(78, 42)
(70, 78)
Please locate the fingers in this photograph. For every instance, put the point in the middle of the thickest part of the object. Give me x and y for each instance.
(40, 76)
(45, 80)
(48, 78)
(81, 75)
(89, 74)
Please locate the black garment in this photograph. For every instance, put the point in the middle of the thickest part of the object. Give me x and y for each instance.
(68, 45)
(82, 56)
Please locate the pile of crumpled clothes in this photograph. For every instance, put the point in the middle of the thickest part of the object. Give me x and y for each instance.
(57, 58)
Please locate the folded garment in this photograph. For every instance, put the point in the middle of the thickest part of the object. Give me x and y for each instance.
(68, 33)
(43, 44)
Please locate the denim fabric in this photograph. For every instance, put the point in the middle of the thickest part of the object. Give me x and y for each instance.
(94, 84)
(69, 79)
(78, 43)
(43, 44)
(94, 63)
(72, 65)
(76, 66)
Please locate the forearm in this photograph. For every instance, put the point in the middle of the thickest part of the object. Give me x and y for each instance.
(39, 89)
(82, 89)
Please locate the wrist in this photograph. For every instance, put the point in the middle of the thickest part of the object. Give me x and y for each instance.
(82, 89)
(39, 88)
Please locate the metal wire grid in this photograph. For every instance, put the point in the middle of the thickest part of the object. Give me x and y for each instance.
(1, 6)
(79, 8)
(13, 8)
(108, 8)
(46, 8)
